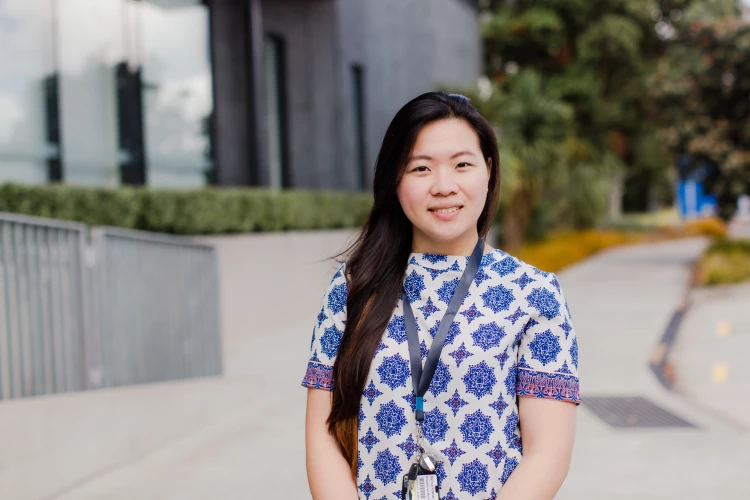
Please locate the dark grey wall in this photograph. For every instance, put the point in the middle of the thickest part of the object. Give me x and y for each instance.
(406, 47)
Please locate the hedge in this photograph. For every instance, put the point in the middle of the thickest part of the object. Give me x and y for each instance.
(208, 210)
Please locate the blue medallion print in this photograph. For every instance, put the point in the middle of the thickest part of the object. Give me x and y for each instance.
(502, 358)
(456, 403)
(387, 467)
(414, 286)
(497, 454)
(566, 327)
(487, 259)
(435, 425)
(473, 477)
(506, 266)
(574, 352)
(367, 487)
(516, 315)
(448, 496)
(369, 440)
(565, 368)
(471, 313)
(480, 277)
(460, 354)
(545, 302)
(390, 419)
(523, 281)
(499, 406)
(479, 380)
(423, 351)
(434, 258)
(452, 452)
(360, 417)
(445, 292)
(428, 308)
(545, 347)
(360, 463)
(321, 316)
(488, 336)
(371, 393)
(510, 426)
(440, 472)
(337, 298)
(510, 465)
(498, 298)
(410, 447)
(453, 331)
(510, 380)
(440, 379)
(397, 329)
(394, 371)
(312, 342)
(477, 428)
(330, 340)
(412, 400)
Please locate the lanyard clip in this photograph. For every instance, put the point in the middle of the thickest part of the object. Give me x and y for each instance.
(419, 414)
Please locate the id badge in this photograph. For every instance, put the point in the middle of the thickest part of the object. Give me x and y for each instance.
(427, 487)
(419, 485)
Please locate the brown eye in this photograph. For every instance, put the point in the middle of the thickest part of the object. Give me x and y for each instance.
(464, 164)
(420, 169)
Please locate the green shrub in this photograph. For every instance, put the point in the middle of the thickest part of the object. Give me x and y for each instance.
(725, 261)
(196, 211)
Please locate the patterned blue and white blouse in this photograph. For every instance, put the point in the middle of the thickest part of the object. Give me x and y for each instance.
(512, 336)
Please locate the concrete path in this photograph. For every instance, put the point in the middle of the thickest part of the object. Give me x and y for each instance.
(242, 435)
(713, 349)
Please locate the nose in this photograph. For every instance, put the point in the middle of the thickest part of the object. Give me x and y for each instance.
(444, 182)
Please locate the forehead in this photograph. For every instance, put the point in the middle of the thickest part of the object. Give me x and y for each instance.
(445, 137)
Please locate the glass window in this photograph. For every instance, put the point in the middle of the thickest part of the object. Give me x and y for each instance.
(275, 109)
(90, 46)
(29, 151)
(358, 105)
(171, 45)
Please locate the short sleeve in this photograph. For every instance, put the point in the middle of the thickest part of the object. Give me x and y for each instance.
(327, 333)
(548, 349)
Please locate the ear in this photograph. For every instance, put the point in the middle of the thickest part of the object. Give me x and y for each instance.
(489, 165)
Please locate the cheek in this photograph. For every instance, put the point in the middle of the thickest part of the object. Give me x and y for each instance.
(410, 196)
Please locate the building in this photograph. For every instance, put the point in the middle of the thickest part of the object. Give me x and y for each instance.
(184, 93)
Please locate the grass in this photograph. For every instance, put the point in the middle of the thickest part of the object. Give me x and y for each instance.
(724, 262)
(566, 248)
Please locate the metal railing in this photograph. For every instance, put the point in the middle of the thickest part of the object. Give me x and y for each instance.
(129, 307)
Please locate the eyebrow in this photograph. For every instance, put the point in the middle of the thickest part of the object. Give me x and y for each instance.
(456, 155)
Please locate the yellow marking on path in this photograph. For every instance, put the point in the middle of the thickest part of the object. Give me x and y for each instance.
(720, 373)
(723, 329)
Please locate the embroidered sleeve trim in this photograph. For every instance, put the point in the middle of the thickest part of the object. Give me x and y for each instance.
(318, 376)
(558, 386)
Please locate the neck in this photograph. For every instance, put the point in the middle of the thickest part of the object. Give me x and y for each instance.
(463, 245)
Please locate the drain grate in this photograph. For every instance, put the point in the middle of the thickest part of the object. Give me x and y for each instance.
(619, 411)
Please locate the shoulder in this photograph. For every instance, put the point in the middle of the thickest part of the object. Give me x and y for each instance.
(507, 265)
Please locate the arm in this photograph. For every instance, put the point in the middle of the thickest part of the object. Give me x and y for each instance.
(328, 474)
(547, 432)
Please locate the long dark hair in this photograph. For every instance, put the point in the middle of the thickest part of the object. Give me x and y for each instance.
(378, 258)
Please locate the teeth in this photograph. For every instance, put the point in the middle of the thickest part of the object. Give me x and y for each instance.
(446, 210)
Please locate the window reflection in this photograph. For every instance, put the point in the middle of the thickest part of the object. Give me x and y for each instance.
(105, 91)
(90, 45)
(177, 98)
(28, 88)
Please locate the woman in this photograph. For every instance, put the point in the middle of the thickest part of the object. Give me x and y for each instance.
(505, 384)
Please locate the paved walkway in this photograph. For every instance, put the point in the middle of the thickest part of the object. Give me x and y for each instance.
(242, 435)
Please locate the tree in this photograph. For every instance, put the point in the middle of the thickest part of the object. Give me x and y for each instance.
(702, 90)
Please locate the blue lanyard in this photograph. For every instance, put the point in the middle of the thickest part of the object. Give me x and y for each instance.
(421, 379)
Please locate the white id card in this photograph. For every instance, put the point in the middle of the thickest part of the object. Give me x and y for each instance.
(427, 487)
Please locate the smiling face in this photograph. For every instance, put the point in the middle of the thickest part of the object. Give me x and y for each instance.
(444, 188)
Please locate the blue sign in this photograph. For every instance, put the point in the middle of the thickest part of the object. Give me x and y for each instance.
(693, 202)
